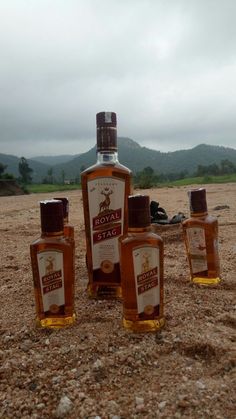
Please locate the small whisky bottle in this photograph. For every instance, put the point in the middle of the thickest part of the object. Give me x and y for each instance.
(105, 189)
(201, 241)
(141, 259)
(68, 228)
(52, 259)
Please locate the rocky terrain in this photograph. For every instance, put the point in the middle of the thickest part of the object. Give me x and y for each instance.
(96, 369)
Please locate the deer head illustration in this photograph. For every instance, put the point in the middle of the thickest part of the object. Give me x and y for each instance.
(104, 205)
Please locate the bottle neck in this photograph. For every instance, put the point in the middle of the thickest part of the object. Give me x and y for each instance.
(52, 234)
(66, 220)
(198, 214)
(139, 229)
(107, 157)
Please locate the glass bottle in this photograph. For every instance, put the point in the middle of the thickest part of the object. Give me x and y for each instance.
(141, 258)
(52, 259)
(201, 241)
(105, 188)
(68, 228)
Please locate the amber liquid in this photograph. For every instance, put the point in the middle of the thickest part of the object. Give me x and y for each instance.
(69, 231)
(65, 314)
(104, 285)
(133, 320)
(210, 276)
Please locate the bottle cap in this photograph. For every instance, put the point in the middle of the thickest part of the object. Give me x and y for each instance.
(65, 203)
(106, 132)
(51, 212)
(197, 198)
(139, 211)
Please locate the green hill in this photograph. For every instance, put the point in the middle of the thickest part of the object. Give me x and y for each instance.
(132, 155)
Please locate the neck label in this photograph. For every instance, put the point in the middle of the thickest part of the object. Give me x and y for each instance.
(108, 117)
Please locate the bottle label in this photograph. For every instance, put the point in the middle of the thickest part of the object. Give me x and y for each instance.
(106, 209)
(197, 248)
(146, 262)
(51, 274)
(108, 117)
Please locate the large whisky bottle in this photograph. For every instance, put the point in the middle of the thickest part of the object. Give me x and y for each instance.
(201, 240)
(52, 259)
(105, 188)
(141, 259)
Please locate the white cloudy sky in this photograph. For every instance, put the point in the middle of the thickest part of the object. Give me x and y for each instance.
(167, 67)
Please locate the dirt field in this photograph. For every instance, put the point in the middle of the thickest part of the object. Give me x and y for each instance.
(96, 369)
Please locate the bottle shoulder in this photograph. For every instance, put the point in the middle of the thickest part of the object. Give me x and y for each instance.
(101, 169)
(51, 241)
(141, 237)
(200, 221)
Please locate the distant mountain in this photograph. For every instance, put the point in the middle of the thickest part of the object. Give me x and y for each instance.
(52, 160)
(132, 155)
(12, 163)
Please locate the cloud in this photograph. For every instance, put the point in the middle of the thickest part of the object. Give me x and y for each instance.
(167, 69)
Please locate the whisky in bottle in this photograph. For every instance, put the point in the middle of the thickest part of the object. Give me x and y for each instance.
(68, 228)
(201, 241)
(141, 259)
(105, 188)
(52, 259)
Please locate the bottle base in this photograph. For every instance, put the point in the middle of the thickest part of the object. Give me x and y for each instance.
(104, 292)
(144, 325)
(205, 281)
(55, 322)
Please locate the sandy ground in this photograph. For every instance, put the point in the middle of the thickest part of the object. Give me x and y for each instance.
(96, 369)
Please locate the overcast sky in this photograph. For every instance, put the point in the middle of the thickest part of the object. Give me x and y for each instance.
(166, 67)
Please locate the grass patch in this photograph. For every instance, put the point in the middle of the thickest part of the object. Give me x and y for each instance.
(41, 188)
(201, 180)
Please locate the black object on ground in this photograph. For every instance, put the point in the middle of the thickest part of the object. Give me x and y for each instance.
(159, 215)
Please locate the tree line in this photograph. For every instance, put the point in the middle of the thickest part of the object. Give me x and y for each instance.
(226, 167)
(24, 170)
(145, 178)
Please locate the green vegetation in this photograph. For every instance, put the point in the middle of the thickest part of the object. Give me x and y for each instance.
(223, 172)
(146, 178)
(25, 171)
(5, 175)
(41, 188)
(199, 161)
(203, 179)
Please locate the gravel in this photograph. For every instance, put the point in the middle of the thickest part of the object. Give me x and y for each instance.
(97, 369)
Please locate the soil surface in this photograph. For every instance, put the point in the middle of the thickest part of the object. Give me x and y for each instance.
(96, 369)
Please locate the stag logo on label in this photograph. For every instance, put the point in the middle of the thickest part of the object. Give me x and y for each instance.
(106, 215)
(49, 268)
(145, 263)
(104, 204)
(52, 279)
